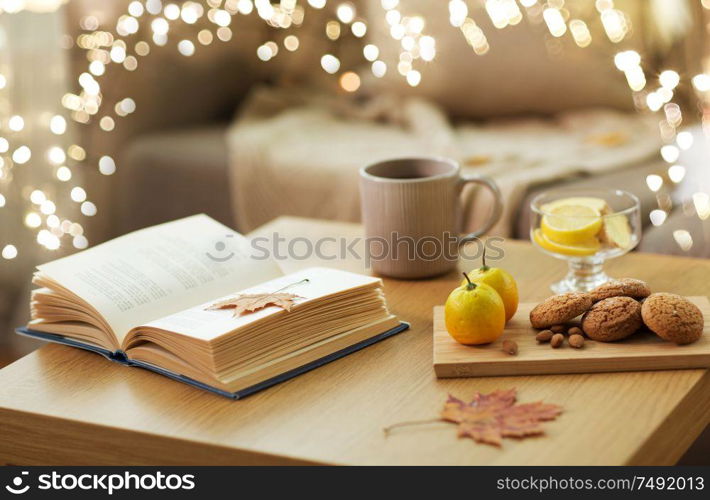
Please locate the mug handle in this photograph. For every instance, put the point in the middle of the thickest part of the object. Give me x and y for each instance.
(497, 204)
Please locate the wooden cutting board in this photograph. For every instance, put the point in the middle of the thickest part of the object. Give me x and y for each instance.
(642, 351)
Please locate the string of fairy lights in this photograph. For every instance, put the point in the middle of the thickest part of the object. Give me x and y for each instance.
(154, 23)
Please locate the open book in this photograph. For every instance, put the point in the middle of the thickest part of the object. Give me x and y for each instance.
(145, 299)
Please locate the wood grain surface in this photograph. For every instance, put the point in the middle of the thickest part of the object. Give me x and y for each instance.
(642, 351)
(62, 405)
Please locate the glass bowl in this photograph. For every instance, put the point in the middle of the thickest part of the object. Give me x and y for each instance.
(585, 228)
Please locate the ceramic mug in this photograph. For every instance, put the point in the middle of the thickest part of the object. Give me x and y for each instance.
(412, 213)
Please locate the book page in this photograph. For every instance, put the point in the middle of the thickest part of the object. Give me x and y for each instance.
(200, 323)
(154, 272)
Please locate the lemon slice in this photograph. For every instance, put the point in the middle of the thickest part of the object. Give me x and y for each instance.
(571, 224)
(589, 247)
(598, 204)
(616, 231)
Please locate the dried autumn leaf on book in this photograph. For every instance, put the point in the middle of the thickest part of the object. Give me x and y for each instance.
(256, 301)
(490, 417)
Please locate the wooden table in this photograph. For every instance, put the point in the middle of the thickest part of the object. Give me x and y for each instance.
(62, 405)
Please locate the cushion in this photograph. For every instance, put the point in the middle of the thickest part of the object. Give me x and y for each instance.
(517, 75)
(159, 174)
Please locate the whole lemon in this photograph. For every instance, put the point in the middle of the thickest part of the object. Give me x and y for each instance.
(474, 314)
(501, 281)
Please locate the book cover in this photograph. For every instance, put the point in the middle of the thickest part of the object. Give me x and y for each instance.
(121, 358)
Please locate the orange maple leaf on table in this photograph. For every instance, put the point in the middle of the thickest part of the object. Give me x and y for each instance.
(490, 417)
(255, 301)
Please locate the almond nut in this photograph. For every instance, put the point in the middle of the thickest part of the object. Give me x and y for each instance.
(575, 330)
(510, 347)
(557, 340)
(576, 341)
(544, 336)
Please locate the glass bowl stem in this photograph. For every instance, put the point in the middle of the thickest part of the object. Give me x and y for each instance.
(583, 275)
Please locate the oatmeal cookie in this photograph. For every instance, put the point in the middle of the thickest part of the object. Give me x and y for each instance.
(559, 309)
(627, 287)
(673, 318)
(612, 319)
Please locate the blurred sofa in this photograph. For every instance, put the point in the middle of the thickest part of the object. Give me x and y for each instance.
(176, 155)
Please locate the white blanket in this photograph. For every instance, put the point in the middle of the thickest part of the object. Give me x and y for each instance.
(296, 153)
